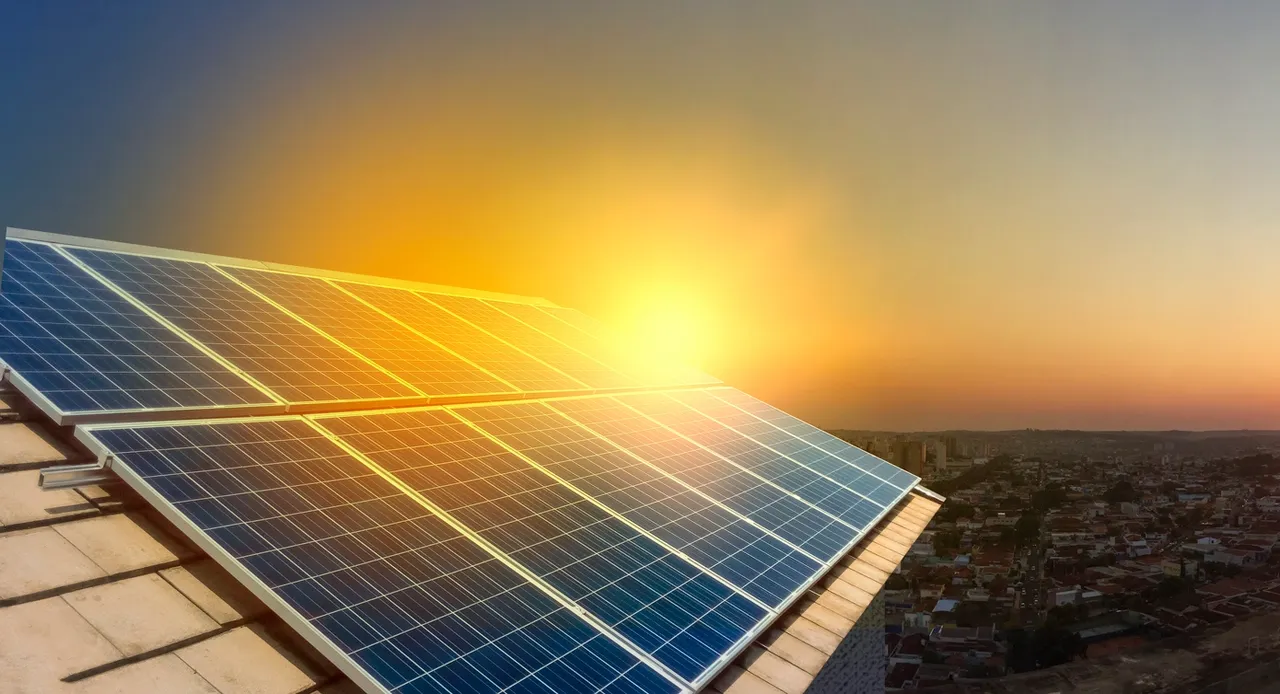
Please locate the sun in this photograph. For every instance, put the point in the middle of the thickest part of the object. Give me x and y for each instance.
(670, 328)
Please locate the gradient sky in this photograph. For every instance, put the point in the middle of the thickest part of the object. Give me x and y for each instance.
(905, 215)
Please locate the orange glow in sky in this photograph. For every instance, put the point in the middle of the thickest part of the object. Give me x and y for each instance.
(872, 216)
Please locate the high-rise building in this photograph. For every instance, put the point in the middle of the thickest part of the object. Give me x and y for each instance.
(909, 455)
(940, 450)
(953, 447)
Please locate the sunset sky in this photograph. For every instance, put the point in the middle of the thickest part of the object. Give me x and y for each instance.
(900, 215)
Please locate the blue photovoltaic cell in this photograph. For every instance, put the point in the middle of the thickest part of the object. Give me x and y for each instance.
(850, 454)
(667, 607)
(823, 492)
(795, 521)
(716, 538)
(645, 370)
(352, 322)
(291, 359)
(485, 350)
(87, 349)
(854, 478)
(519, 334)
(657, 371)
(415, 604)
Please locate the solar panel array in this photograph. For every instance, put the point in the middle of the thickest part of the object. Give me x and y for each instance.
(399, 592)
(250, 338)
(590, 521)
(85, 348)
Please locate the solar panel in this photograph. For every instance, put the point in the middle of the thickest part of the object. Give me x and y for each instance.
(850, 454)
(857, 478)
(294, 361)
(685, 619)
(645, 371)
(657, 371)
(419, 361)
(532, 341)
(810, 529)
(490, 353)
(394, 594)
(712, 535)
(88, 351)
(820, 491)
(625, 542)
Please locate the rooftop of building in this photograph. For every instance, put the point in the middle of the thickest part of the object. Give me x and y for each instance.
(100, 594)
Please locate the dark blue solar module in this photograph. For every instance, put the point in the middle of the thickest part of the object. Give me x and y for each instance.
(830, 496)
(710, 534)
(851, 455)
(818, 533)
(413, 603)
(855, 478)
(668, 608)
(288, 357)
(88, 350)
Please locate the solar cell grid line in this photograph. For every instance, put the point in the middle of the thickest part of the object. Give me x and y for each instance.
(807, 528)
(295, 362)
(396, 596)
(533, 341)
(669, 372)
(784, 473)
(493, 355)
(816, 437)
(669, 609)
(854, 478)
(711, 536)
(601, 351)
(827, 494)
(415, 359)
(82, 348)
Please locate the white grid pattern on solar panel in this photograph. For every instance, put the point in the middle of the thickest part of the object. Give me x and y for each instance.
(808, 528)
(355, 565)
(490, 353)
(818, 438)
(294, 361)
(821, 491)
(409, 356)
(599, 350)
(528, 339)
(712, 535)
(662, 604)
(86, 348)
(665, 372)
(850, 476)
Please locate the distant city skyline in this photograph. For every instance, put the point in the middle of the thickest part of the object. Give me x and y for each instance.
(900, 216)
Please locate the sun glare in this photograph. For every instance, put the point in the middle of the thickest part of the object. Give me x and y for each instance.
(671, 328)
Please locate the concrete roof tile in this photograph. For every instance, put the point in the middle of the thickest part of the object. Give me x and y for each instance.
(45, 640)
(23, 444)
(797, 652)
(776, 671)
(165, 673)
(40, 559)
(123, 542)
(850, 592)
(22, 500)
(826, 618)
(215, 591)
(140, 614)
(735, 680)
(813, 634)
(246, 661)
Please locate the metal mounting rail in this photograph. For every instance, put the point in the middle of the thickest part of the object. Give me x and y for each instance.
(72, 476)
